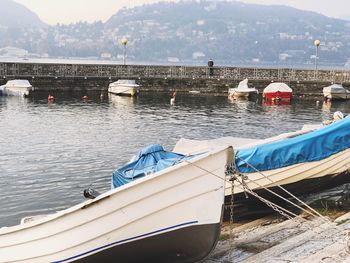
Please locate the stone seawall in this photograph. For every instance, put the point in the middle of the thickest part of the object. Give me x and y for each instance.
(215, 80)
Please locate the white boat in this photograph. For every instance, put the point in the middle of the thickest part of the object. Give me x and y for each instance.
(314, 158)
(17, 87)
(242, 90)
(335, 92)
(172, 215)
(124, 87)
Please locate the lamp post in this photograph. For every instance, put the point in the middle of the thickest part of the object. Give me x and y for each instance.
(124, 43)
(317, 44)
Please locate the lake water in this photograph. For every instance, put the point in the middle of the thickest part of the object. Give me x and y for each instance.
(51, 152)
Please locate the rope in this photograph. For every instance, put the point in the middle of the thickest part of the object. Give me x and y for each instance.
(249, 191)
(242, 185)
(289, 193)
(274, 206)
(283, 198)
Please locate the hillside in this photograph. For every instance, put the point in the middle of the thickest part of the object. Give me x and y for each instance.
(232, 30)
(194, 31)
(15, 15)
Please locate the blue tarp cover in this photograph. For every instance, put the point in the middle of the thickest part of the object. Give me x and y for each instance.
(313, 146)
(150, 159)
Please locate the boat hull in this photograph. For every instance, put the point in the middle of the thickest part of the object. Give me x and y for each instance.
(124, 87)
(300, 188)
(335, 164)
(337, 96)
(278, 95)
(17, 87)
(166, 205)
(124, 91)
(188, 244)
(14, 91)
(242, 93)
(245, 207)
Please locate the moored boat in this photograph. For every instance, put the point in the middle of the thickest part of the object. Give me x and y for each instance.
(277, 91)
(17, 87)
(124, 87)
(302, 162)
(169, 215)
(336, 92)
(242, 90)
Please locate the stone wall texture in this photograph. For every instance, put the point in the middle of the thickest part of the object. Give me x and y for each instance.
(215, 80)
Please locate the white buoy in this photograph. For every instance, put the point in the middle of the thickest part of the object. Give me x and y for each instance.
(172, 100)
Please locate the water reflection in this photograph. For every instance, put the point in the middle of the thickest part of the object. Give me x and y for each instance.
(277, 102)
(116, 101)
(326, 106)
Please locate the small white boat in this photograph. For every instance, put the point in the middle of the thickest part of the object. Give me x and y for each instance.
(336, 92)
(242, 90)
(172, 215)
(17, 87)
(309, 160)
(124, 87)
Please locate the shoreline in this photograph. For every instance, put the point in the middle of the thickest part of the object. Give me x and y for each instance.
(273, 239)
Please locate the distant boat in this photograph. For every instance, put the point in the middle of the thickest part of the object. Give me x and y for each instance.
(277, 91)
(170, 212)
(242, 90)
(17, 87)
(336, 92)
(124, 87)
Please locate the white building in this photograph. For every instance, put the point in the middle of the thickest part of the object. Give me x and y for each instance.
(13, 52)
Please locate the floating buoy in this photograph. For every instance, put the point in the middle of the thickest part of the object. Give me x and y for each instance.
(172, 100)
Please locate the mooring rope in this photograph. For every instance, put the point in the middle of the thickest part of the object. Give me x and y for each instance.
(286, 191)
(249, 190)
(269, 203)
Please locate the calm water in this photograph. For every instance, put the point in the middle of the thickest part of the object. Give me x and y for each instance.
(49, 153)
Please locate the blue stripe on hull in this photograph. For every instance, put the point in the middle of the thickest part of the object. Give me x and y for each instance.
(125, 240)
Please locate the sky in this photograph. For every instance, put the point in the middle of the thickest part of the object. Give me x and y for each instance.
(70, 11)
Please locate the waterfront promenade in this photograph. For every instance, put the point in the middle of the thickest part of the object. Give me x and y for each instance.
(217, 79)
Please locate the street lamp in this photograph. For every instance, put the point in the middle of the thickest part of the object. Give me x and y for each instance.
(124, 43)
(317, 44)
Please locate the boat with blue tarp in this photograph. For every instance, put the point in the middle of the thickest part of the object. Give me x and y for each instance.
(149, 160)
(302, 162)
(314, 146)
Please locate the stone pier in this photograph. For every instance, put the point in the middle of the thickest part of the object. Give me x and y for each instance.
(214, 80)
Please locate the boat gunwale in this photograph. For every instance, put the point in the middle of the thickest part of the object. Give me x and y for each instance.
(87, 203)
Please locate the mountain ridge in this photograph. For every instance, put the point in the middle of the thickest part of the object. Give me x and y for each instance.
(227, 31)
(13, 14)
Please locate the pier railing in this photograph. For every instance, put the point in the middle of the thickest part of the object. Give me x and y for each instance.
(175, 72)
